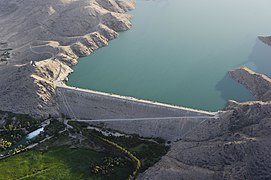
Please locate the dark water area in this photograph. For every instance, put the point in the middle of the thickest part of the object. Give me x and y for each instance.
(260, 58)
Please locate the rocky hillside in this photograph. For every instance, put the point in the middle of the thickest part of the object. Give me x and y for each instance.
(237, 146)
(43, 38)
(258, 84)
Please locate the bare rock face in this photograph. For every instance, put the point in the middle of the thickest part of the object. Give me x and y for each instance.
(46, 37)
(236, 146)
(258, 84)
(265, 39)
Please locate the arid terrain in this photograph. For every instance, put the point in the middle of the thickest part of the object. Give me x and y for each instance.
(40, 41)
(45, 38)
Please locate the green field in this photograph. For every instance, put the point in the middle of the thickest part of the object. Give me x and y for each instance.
(61, 163)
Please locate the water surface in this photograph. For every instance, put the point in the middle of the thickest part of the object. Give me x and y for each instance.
(179, 52)
(34, 133)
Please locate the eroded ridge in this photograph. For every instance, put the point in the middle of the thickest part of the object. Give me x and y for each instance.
(45, 39)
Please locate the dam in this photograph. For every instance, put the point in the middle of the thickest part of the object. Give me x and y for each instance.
(182, 62)
(179, 52)
(127, 114)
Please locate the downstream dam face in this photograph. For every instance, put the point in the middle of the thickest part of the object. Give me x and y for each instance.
(170, 129)
(90, 105)
(129, 115)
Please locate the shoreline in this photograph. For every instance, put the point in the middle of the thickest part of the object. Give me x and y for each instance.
(206, 145)
(51, 47)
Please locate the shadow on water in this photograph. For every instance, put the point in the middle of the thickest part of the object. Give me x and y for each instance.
(259, 59)
(231, 90)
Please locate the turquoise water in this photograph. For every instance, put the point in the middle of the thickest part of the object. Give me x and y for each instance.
(179, 52)
(34, 133)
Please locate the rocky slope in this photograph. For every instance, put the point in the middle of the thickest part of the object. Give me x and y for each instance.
(258, 84)
(235, 146)
(265, 39)
(46, 38)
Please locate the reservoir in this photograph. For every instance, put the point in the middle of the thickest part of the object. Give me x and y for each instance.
(179, 52)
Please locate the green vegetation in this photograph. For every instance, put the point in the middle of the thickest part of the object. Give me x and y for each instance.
(54, 127)
(77, 127)
(68, 153)
(64, 163)
(14, 127)
(146, 150)
(135, 160)
(106, 166)
(4, 144)
(11, 137)
(17, 150)
(142, 151)
(14, 121)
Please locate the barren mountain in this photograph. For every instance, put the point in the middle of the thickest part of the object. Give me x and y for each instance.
(41, 39)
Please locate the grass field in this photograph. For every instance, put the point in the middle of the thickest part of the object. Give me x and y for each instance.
(58, 163)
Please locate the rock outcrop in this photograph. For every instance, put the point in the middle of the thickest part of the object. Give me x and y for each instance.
(259, 85)
(236, 146)
(46, 38)
(265, 39)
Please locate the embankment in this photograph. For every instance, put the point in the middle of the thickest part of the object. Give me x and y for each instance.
(170, 129)
(127, 114)
(86, 104)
